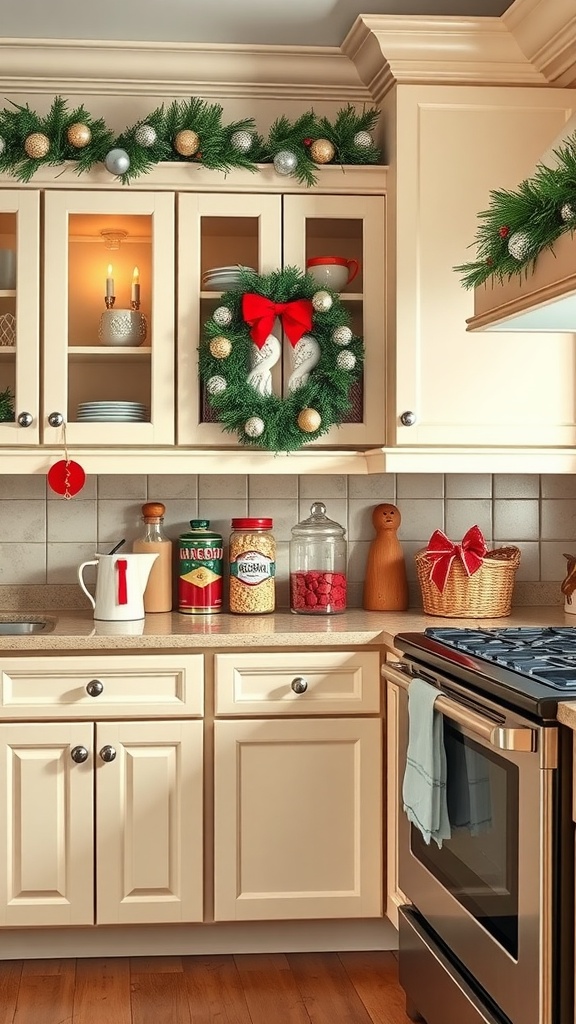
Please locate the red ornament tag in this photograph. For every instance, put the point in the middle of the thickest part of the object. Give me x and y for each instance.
(66, 477)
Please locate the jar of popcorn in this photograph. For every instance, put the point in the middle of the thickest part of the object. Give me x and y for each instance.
(318, 560)
(252, 563)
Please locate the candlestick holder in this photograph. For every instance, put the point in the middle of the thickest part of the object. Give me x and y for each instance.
(122, 327)
(109, 301)
(135, 304)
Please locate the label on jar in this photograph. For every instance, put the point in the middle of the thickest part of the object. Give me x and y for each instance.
(200, 577)
(252, 568)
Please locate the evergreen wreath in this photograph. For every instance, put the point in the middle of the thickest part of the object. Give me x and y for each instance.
(237, 341)
(519, 225)
(192, 131)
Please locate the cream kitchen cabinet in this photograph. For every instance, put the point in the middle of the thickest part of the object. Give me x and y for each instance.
(297, 786)
(79, 269)
(86, 242)
(268, 232)
(452, 145)
(20, 315)
(100, 818)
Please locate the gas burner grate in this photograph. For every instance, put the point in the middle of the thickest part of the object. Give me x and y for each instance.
(546, 654)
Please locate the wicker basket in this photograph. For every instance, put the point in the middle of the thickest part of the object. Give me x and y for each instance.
(486, 594)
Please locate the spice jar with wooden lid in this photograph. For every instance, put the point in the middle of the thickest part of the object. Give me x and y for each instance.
(158, 593)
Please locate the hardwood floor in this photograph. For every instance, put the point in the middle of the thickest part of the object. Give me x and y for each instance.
(292, 988)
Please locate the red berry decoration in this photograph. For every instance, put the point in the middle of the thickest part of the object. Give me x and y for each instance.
(318, 593)
(504, 231)
(308, 142)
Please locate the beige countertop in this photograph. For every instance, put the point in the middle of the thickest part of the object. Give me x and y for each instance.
(78, 632)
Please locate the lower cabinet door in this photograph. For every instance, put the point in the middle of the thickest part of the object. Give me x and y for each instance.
(46, 824)
(298, 819)
(149, 835)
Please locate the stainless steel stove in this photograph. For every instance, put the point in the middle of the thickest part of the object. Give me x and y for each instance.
(488, 935)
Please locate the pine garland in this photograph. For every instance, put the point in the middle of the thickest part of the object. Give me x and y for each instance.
(6, 406)
(28, 141)
(327, 390)
(519, 225)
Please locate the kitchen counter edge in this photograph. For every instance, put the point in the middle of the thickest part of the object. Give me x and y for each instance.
(78, 632)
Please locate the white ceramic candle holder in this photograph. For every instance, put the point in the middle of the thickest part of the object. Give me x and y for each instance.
(122, 327)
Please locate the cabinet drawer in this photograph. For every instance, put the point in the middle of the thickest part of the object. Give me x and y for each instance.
(158, 685)
(297, 683)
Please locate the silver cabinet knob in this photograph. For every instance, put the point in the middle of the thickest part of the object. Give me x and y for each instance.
(79, 754)
(55, 419)
(25, 419)
(299, 685)
(94, 688)
(107, 753)
(408, 418)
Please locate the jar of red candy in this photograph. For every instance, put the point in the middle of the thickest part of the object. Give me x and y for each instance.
(318, 559)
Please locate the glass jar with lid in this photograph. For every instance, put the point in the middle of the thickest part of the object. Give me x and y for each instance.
(318, 563)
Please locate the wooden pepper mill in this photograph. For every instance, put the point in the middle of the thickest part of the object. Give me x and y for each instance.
(386, 585)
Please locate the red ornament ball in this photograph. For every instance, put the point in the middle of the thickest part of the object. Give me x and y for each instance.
(504, 231)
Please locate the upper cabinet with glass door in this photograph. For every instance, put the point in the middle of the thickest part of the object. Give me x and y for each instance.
(109, 318)
(267, 233)
(19, 317)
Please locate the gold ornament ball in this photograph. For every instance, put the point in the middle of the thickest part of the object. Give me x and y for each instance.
(186, 142)
(220, 347)
(37, 145)
(309, 420)
(322, 151)
(79, 135)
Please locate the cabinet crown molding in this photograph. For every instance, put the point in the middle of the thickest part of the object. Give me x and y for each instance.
(224, 71)
(436, 51)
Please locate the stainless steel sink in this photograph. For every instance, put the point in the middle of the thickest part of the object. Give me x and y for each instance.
(16, 628)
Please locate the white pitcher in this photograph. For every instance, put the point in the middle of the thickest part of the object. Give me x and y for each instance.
(120, 584)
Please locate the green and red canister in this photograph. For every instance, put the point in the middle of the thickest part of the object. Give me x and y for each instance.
(200, 569)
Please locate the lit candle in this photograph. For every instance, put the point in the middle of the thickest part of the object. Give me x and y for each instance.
(109, 283)
(136, 287)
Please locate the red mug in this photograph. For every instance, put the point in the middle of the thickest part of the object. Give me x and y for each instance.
(333, 271)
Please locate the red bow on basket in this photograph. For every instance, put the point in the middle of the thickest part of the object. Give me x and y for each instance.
(260, 313)
(442, 552)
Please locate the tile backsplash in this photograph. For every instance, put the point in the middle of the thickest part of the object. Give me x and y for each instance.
(43, 538)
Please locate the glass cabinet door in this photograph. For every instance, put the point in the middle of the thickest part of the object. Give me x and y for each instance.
(19, 317)
(351, 227)
(216, 232)
(109, 318)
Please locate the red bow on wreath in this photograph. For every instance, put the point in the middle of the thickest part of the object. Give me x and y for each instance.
(260, 313)
(442, 552)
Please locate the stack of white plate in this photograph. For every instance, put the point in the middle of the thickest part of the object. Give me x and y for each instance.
(219, 279)
(112, 412)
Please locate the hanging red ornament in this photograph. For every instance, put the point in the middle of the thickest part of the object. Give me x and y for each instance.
(308, 142)
(504, 231)
(66, 477)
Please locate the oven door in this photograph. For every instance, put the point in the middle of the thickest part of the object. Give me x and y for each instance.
(487, 892)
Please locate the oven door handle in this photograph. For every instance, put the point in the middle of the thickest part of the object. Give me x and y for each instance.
(503, 737)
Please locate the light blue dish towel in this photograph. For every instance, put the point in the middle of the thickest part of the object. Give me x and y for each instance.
(424, 785)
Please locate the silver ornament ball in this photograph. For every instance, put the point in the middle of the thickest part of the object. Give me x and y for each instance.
(322, 301)
(145, 135)
(342, 336)
(285, 162)
(2, 145)
(216, 385)
(519, 245)
(241, 141)
(346, 360)
(222, 316)
(363, 140)
(254, 427)
(568, 212)
(117, 161)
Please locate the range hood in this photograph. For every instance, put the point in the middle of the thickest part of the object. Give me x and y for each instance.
(541, 300)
